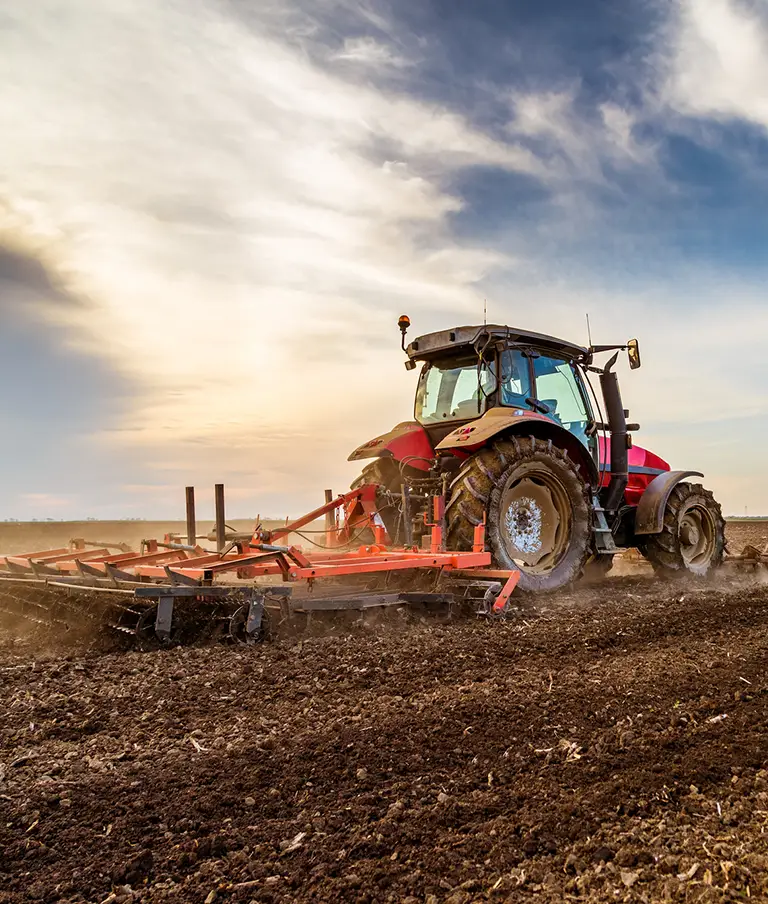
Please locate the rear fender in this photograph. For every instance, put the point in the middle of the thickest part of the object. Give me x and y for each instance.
(649, 517)
(504, 421)
(407, 442)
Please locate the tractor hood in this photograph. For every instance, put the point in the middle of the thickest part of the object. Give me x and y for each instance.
(639, 458)
(643, 467)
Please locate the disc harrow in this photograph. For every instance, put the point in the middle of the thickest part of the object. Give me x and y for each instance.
(250, 588)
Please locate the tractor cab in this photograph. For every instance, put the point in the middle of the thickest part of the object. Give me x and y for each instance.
(461, 386)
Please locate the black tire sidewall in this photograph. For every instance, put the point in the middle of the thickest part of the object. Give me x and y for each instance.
(663, 550)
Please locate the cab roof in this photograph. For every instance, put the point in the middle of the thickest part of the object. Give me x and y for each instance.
(461, 338)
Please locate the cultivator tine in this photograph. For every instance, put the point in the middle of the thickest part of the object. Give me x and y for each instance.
(116, 574)
(491, 589)
(282, 596)
(502, 600)
(255, 617)
(489, 598)
(17, 567)
(164, 618)
(88, 571)
(179, 579)
(42, 571)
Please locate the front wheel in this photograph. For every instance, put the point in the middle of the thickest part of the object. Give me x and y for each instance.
(536, 510)
(383, 473)
(693, 537)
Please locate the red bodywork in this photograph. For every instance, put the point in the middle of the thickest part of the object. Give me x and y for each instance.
(407, 442)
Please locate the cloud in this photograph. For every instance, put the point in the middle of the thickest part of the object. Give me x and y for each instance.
(719, 60)
(32, 281)
(245, 223)
(26, 281)
(582, 142)
(370, 53)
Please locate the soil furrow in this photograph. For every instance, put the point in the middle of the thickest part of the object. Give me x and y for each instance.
(596, 750)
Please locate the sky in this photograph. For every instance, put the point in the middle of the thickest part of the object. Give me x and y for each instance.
(212, 213)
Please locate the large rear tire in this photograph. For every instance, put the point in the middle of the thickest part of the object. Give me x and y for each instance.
(536, 509)
(383, 473)
(692, 540)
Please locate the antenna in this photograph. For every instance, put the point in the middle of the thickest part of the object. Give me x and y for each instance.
(485, 312)
(589, 331)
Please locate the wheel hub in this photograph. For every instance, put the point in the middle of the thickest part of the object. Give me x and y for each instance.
(689, 534)
(532, 522)
(697, 536)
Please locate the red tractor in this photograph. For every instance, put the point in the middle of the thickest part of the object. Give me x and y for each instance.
(507, 423)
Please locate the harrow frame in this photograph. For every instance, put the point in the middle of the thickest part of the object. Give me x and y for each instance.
(168, 574)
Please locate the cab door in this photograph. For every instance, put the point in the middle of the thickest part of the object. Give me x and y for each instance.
(558, 385)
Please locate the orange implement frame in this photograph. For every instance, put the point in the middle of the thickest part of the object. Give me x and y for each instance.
(293, 565)
(359, 513)
(260, 557)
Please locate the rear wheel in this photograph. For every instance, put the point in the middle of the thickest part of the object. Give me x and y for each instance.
(536, 509)
(693, 537)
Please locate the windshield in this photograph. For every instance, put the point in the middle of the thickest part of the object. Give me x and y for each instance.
(449, 390)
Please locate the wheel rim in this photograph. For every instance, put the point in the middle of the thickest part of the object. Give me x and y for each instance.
(697, 534)
(536, 519)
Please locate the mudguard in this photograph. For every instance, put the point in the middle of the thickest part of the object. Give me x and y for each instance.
(649, 517)
(406, 442)
(470, 437)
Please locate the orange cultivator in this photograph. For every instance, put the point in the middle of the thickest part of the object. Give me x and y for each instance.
(179, 591)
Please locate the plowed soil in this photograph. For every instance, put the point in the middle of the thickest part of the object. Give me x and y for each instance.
(609, 744)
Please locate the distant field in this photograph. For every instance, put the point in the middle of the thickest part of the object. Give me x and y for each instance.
(31, 536)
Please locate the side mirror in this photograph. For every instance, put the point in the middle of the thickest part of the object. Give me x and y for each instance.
(633, 352)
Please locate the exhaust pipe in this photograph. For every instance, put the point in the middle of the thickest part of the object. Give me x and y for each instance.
(617, 424)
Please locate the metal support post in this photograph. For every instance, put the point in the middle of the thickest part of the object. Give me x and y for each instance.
(331, 524)
(221, 521)
(438, 526)
(478, 544)
(407, 518)
(191, 520)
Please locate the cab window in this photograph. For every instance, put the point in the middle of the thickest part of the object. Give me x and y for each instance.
(514, 379)
(558, 389)
(449, 390)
